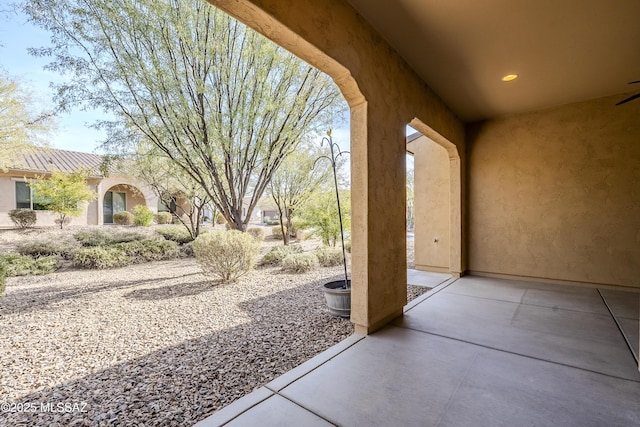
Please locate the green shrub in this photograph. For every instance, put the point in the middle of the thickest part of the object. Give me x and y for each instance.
(106, 237)
(299, 263)
(121, 249)
(148, 250)
(3, 278)
(24, 265)
(39, 249)
(23, 218)
(177, 234)
(321, 215)
(328, 256)
(278, 253)
(164, 218)
(63, 221)
(3, 283)
(226, 254)
(186, 250)
(273, 222)
(276, 232)
(123, 218)
(257, 233)
(142, 216)
(101, 257)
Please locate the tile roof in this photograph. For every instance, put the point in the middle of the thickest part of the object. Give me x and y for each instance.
(50, 159)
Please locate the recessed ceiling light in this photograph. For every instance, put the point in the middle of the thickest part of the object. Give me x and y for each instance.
(509, 77)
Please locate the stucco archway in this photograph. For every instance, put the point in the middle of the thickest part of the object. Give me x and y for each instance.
(117, 198)
(382, 92)
(453, 221)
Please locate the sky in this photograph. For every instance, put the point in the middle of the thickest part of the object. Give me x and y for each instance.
(16, 35)
(73, 128)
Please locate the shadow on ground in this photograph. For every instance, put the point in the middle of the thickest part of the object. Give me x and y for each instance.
(30, 299)
(182, 384)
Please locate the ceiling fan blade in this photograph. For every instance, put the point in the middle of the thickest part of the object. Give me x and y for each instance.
(631, 98)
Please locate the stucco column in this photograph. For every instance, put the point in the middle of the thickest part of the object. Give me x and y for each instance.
(378, 176)
(100, 203)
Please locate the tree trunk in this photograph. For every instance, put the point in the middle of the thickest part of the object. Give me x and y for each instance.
(290, 224)
(283, 229)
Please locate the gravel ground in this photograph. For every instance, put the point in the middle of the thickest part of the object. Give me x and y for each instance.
(153, 344)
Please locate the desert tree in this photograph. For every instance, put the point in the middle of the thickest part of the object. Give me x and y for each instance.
(295, 182)
(410, 198)
(225, 104)
(63, 193)
(23, 123)
(320, 213)
(184, 198)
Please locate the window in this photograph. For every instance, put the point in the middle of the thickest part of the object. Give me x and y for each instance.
(163, 207)
(114, 202)
(25, 198)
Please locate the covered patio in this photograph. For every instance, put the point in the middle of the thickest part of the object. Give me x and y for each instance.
(473, 351)
(540, 215)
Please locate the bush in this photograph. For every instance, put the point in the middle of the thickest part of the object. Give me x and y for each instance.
(273, 222)
(220, 219)
(257, 233)
(347, 246)
(63, 221)
(164, 218)
(107, 237)
(148, 250)
(226, 254)
(277, 232)
(39, 249)
(101, 257)
(24, 265)
(179, 234)
(186, 250)
(123, 218)
(321, 214)
(299, 263)
(328, 256)
(3, 280)
(3, 277)
(142, 216)
(103, 249)
(278, 253)
(23, 218)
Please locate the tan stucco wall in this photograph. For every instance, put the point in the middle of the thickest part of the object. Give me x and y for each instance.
(384, 95)
(556, 194)
(91, 213)
(432, 208)
(44, 218)
(137, 193)
(7, 199)
(133, 196)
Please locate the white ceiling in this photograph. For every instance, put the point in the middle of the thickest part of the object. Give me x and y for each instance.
(563, 50)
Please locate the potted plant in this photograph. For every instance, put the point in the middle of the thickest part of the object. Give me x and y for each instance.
(337, 293)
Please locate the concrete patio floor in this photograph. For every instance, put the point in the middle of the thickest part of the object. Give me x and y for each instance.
(472, 352)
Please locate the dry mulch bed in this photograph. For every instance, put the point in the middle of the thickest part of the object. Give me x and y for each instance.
(154, 344)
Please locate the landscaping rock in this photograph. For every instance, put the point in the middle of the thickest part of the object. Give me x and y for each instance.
(156, 344)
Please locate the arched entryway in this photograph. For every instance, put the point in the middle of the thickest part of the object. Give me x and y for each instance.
(383, 94)
(428, 193)
(438, 188)
(119, 198)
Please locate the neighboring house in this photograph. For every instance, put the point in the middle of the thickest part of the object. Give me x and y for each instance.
(116, 192)
(256, 215)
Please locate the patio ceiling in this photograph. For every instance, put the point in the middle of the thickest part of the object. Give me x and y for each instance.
(562, 50)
